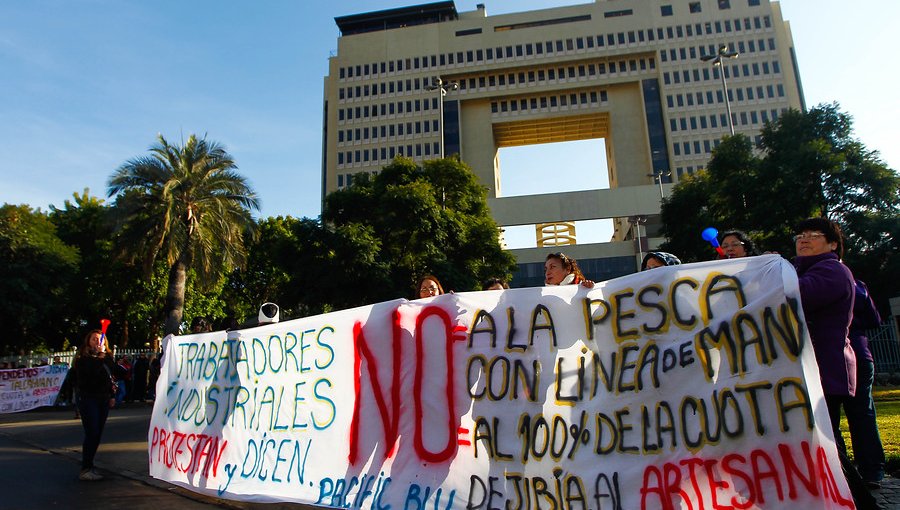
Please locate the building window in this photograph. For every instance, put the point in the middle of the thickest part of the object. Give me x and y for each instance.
(665, 10)
(753, 3)
(616, 14)
(694, 7)
(724, 4)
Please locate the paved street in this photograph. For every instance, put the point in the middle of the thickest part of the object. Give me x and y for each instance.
(40, 452)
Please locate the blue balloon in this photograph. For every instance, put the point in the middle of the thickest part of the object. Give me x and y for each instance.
(711, 235)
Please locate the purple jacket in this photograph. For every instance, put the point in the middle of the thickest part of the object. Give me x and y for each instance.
(827, 293)
(865, 316)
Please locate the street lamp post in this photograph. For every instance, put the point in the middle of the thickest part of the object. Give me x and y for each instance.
(717, 61)
(658, 178)
(438, 84)
(636, 222)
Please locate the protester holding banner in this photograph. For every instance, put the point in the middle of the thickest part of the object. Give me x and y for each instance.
(868, 451)
(429, 286)
(656, 259)
(494, 284)
(827, 290)
(562, 270)
(153, 376)
(93, 369)
(737, 244)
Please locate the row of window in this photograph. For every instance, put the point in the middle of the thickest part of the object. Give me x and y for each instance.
(555, 75)
(747, 70)
(557, 47)
(387, 132)
(383, 155)
(574, 99)
(680, 171)
(692, 53)
(696, 7)
(387, 110)
(541, 75)
(750, 118)
(705, 147)
(378, 155)
(715, 97)
(347, 179)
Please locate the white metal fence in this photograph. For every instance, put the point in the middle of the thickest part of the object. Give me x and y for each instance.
(885, 349)
(35, 359)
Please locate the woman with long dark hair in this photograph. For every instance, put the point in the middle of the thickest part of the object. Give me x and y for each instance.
(93, 369)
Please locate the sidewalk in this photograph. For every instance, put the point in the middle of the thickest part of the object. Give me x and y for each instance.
(40, 452)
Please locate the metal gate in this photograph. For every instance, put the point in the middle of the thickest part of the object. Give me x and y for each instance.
(884, 347)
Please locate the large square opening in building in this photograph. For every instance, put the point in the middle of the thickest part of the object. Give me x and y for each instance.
(554, 168)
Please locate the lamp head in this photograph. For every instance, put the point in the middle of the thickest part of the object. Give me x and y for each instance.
(269, 313)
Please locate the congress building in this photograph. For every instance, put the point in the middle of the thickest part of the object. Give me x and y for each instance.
(643, 75)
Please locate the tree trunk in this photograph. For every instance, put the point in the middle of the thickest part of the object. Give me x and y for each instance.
(175, 298)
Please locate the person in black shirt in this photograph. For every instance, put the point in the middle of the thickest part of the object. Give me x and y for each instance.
(93, 369)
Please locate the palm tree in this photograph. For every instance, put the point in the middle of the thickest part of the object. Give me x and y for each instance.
(186, 204)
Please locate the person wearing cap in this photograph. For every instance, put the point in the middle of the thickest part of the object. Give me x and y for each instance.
(656, 259)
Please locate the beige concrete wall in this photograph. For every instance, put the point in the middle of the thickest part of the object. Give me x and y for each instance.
(477, 141)
(628, 136)
(672, 60)
(577, 205)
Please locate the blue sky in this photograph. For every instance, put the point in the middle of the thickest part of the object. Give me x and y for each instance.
(87, 84)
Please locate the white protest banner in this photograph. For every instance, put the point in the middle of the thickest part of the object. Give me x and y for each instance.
(690, 386)
(22, 389)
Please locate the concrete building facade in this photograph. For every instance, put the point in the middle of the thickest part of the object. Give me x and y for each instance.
(627, 71)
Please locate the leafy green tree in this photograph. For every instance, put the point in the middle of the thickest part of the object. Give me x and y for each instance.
(333, 267)
(414, 220)
(84, 223)
(264, 278)
(807, 164)
(35, 279)
(187, 205)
